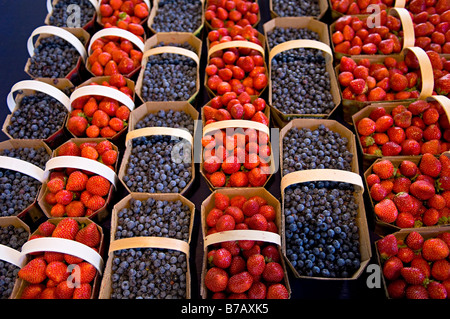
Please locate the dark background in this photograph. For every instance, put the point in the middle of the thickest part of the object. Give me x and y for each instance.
(21, 17)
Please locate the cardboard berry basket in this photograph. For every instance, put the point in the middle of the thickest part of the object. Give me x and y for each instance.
(8, 254)
(61, 163)
(222, 47)
(209, 27)
(53, 88)
(401, 236)
(298, 23)
(32, 211)
(368, 159)
(169, 38)
(333, 125)
(221, 128)
(114, 34)
(323, 5)
(261, 38)
(211, 240)
(99, 15)
(89, 26)
(150, 50)
(146, 242)
(71, 35)
(154, 12)
(334, 87)
(38, 245)
(407, 30)
(351, 107)
(315, 175)
(177, 134)
(88, 90)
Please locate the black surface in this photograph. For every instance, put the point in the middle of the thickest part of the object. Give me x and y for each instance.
(20, 18)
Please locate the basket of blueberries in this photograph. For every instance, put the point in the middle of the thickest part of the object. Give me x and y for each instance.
(65, 13)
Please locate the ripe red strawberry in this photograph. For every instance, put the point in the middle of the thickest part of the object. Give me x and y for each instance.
(218, 179)
(258, 290)
(64, 290)
(222, 258)
(240, 283)
(405, 220)
(387, 246)
(213, 216)
(57, 271)
(77, 125)
(430, 165)
(405, 254)
(221, 201)
(384, 169)
(46, 228)
(216, 279)
(55, 185)
(66, 228)
(48, 293)
(401, 185)
(95, 202)
(408, 168)
(366, 126)
(392, 267)
(440, 270)
(405, 203)
(84, 291)
(225, 222)
(34, 271)
(236, 213)
(71, 260)
(87, 272)
(273, 272)
(397, 289)
(32, 291)
(89, 235)
(430, 217)
(386, 211)
(422, 264)
(98, 185)
(416, 292)
(257, 222)
(445, 237)
(277, 291)
(69, 149)
(250, 207)
(256, 264)
(413, 276)
(436, 290)
(422, 189)
(414, 240)
(75, 209)
(434, 249)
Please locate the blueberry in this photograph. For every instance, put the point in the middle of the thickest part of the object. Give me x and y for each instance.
(178, 16)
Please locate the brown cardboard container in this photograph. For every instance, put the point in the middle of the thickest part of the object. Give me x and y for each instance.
(75, 75)
(401, 235)
(59, 136)
(33, 210)
(89, 26)
(105, 289)
(360, 221)
(208, 24)
(167, 38)
(280, 117)
(314, 124)
(260, 37)
(323, 5)
(21, 284)
(209, 203)
(153, 12)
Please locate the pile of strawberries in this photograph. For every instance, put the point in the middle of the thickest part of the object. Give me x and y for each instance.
(47, 272)
(352, 7)
(78, 193)
(127, 15)
(114, 55)
(241, 159)
(411, 195)
(234, 33)
(353, 36)
(99, 116)
(235, 106)
(236, 70)
(227, 13)
(416, 267)
(418, 128)
(243, 269)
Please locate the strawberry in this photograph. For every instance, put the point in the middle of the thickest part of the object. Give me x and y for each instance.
(403, 119)
(50, 256)
(216, 279)
(66, 228)
(75, 209)
(258, 290)
(422, 264)
(430, 217)
(82, 292)
(87, 272)
(445, 237)
(77, 125)
(383, 123)
(434, 249)
(222, 258)
(256, 264)
(405, 203)
(240, 283)
(405, 220)
(225, 222)
(98, 185)
(109, 157)
(71, 260)
(413, 276)
(440, 270)
(64, 290)
(405, 254)
(378, 192)
(89, 235)
(32, 291)
(55, 185)
(34, 271)
(386, 211)
(408, 168)
(401, 185)
(250, 207)
(397, 289)
(64, 197)
(416, 292)
(236, 213)
(358, 86)
(48, 293)
(57, 271)
(95, 202)
(387, 246)
(277, 291)
(89, 152)
(366, 126)
(347, 64)
(221, 201)
(212, 164)
(442, 85)
(46, 228)
(430, 165)
(273, 272)
(436, 290)
(69, 149)
(422, 190)
(213, 216)
(384, 169)
(257, 222)
(414, 240)
(392, 267)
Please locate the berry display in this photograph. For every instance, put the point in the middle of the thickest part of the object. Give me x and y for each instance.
(352, 7)
(280, 35)
(178, 16)
(234, 33)
(127, 15)
(219, 13)
(322, 233)
(416, 266)
(13, 237)
(54, 57)
(300, 82)
(151, 273)
(296, 8)
(61, 13)
(321, 148)
(169, 118)
(406, 200)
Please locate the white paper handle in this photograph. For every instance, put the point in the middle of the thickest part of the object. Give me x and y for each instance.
(105, 91)
(117, 32)
(242, 234)
(12, 256)
(82, 163)
(59, 32)
(150, 242)
(171, 49)
(150, 131)
(40, 87)
(235, 124)
(21, 166)
(64, 246)
(297, 44)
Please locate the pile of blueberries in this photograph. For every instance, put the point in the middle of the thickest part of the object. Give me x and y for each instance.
(169, 77)
(54, 57)
(159, 164)
(296, 8)
(38, 116)
(322, 235)
(280, 35)
(13, 237)
(151, 273)
(300, 82)
(63, 15)
(169, 118)
(321, 148)
(18, 190)
(178, 16)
